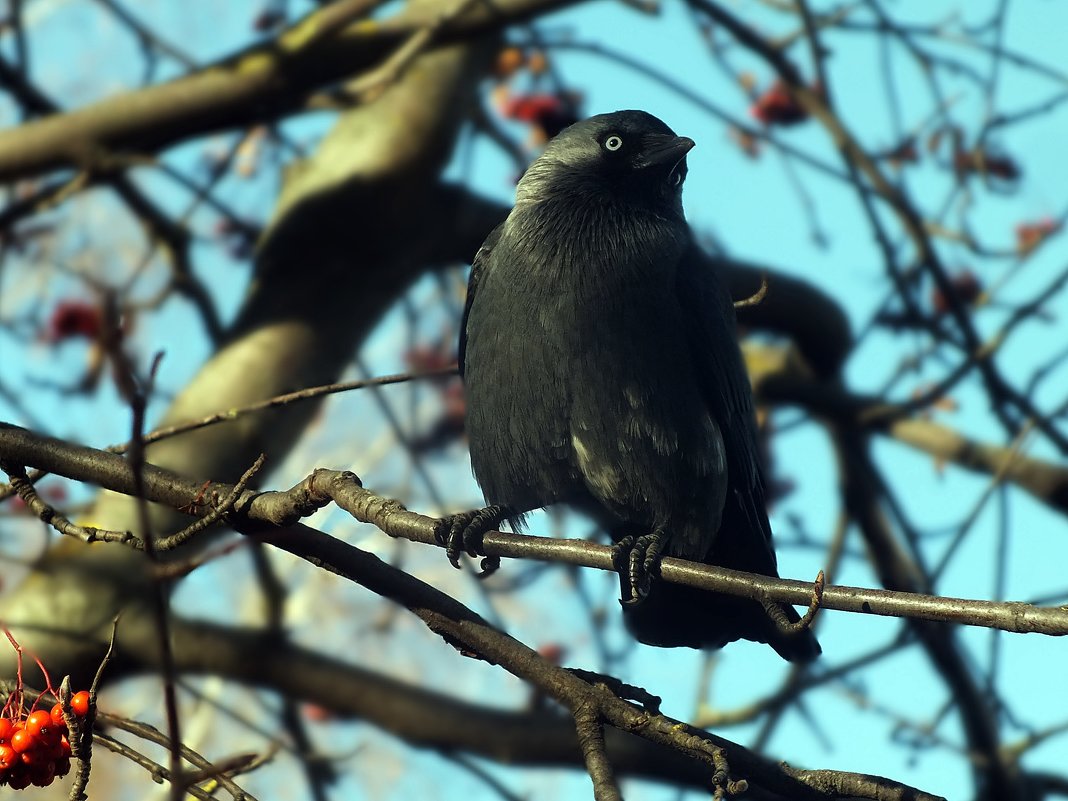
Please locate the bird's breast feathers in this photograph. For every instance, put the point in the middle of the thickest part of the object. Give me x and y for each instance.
(590, 246)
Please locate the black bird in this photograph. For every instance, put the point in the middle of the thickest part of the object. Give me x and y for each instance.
(601, 368)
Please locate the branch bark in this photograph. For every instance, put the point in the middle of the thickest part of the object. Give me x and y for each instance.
(260, 83)
(18, 446)
(778, 380)
(324, 277)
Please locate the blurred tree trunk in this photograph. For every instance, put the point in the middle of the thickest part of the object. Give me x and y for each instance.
(354, 225)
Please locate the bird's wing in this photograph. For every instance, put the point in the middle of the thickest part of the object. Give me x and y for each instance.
(744, 539)
(478, 266)
(721, 374)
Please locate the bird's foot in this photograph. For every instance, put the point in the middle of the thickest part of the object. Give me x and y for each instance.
(637, 560)
(463, 533)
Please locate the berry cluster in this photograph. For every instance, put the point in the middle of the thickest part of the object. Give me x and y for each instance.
(75, 318)
(778, 106)
(35, 749)
(547, 110)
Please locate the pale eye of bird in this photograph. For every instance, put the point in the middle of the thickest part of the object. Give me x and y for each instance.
(676, 178)
(613, 143)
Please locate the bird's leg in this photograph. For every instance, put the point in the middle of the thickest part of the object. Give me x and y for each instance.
(637, 561)
(463, 533)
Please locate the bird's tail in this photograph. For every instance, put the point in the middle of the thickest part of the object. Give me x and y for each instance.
(744, 542)
(674, 615)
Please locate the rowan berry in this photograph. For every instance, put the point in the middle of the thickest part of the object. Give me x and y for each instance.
(19, 780)
(8, 758)
(79, 703)
(23, 741)
(7, 728)
(40, 725)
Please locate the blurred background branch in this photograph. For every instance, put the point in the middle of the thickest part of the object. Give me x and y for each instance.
(226, 187)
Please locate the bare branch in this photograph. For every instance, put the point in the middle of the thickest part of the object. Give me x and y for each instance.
(260, 83)
(287, 507)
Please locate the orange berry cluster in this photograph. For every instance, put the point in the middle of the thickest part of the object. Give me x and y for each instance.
(35, 749)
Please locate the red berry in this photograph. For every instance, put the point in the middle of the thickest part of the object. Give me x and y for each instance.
(552, 652)
(777, 106)
(531, 108)
(19, 780)
(53, 749)
(57, 716)
(551, 113)
(80, 703)
(509, 60)
(40, 725)
(64, 748)
(7, 728)
(75, 318)
(34, 757)
(966, 286)
(8, 757)
(43, 775)
(23, 741)
(1030, 235)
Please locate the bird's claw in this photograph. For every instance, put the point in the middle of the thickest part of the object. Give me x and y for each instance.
(450, 534)
(620, 562)
(637, 560)
(463, 533)
(488, 566)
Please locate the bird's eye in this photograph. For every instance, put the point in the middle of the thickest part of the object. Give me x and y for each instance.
(675, 179)
(613, 143)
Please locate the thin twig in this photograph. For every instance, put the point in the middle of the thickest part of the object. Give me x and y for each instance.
(217, 513)
(757, 297)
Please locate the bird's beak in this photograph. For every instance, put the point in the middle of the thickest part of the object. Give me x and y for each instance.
(664, 150)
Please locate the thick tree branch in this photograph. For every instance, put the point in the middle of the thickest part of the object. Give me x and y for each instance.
(815, 321)
(778, 381)
(257, 84)
(426, 718)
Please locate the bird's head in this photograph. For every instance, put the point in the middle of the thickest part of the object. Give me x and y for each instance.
(629, 156)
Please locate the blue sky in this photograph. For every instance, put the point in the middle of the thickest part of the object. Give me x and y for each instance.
(750, 208)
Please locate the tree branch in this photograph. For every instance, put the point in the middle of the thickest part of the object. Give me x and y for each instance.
(260, 83)
(779, 382)
(21, 447)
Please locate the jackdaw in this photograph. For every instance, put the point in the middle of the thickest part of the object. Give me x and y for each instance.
(601, 368)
